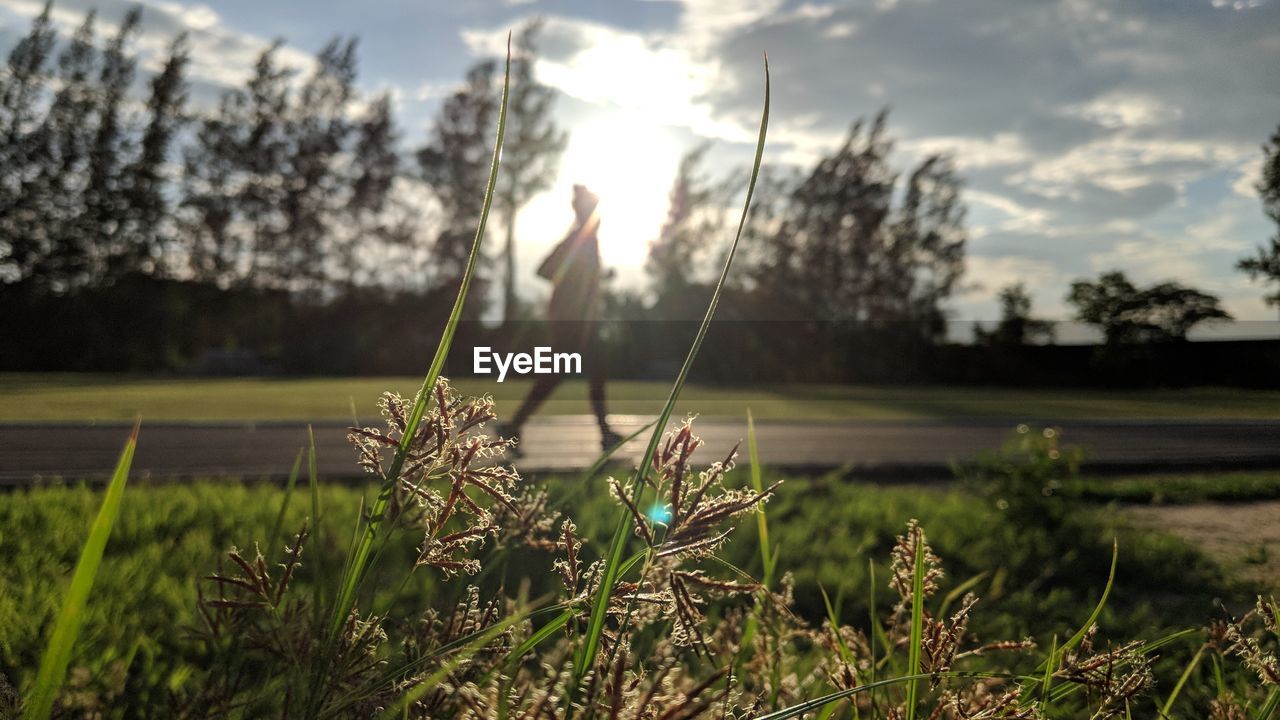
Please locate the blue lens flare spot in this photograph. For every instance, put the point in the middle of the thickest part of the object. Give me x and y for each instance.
(659, 514)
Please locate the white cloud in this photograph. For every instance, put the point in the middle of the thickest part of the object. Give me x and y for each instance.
(220, 56)
(1120, 110)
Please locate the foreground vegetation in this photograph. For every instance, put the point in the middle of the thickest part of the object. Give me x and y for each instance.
(1035, 581)
(80, 398)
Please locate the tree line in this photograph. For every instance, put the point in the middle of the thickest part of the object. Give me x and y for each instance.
(294, 202)
(294, 181)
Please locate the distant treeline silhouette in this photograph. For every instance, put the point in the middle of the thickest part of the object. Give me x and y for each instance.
(288, 228)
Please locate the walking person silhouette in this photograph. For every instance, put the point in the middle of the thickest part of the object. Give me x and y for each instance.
(573, 267)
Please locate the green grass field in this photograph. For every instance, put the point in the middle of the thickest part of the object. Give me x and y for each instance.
(170, 535)
(72, 398)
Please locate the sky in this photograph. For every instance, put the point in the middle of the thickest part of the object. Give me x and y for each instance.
(1092, 135)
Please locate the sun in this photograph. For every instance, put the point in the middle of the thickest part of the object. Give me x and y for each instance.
(630, 165)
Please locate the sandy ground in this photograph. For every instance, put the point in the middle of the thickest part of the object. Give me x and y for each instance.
(1244, 537)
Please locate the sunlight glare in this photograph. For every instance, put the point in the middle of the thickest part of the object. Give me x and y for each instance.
(630, 165)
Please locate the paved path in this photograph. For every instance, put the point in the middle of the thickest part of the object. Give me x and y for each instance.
(889, 450)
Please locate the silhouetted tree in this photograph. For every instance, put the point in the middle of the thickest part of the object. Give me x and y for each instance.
(369, 204)
(1016, 326)
(1265, 263)
(99, 222)
(674, 257)
(65, 139)
(316, 135)
(455, 163)
(145, 227)
(1126, 314)
(842, 252)
(924, 256)
(235, 184)
(22, 86)
(530, 153)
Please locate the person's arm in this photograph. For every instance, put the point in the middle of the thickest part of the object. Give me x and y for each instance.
(554, 264)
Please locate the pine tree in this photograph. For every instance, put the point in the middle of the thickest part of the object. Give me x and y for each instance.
(21, 88)
(674, 256)
(260, 156)
(316, 135)
(100, 221)
(375, 166)
(844, 254)
(925, 252)
(1265, 263)
(143, 238)
(65, 140)
(456, 166)
(829, 249)
(235, 182)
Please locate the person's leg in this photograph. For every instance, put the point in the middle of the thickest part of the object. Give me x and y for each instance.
(541, 390)
(596, 375)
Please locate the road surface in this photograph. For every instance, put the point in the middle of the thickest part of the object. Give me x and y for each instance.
(887, 450)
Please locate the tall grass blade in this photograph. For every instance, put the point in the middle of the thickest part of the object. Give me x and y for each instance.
(757, 482)
(1268, 709)
(57, 654)
(1049, 669)
(1097, 610)
(313, 482)
(617, 544)
(541, 634)
(876, 630)
(1182, 681)
(607, 455)
(601, 460)
(284, 506)
(359, 561)
(917, 629)
(846, 656)
(960, 590)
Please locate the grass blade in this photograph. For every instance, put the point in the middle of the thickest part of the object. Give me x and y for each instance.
(960, 590)
(757, 482)
(1268, 709)
(358, 563)
(1182, 680)
(617, 545)
(845, 655)
(1050, 668)
(1097, 610)
(57, 654)
(917, 628)
(284, 506)
(313, 481)
(596, 467)
(542, 633)
(605, 456)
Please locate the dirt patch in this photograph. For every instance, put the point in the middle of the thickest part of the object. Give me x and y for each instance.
(1243, 537)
